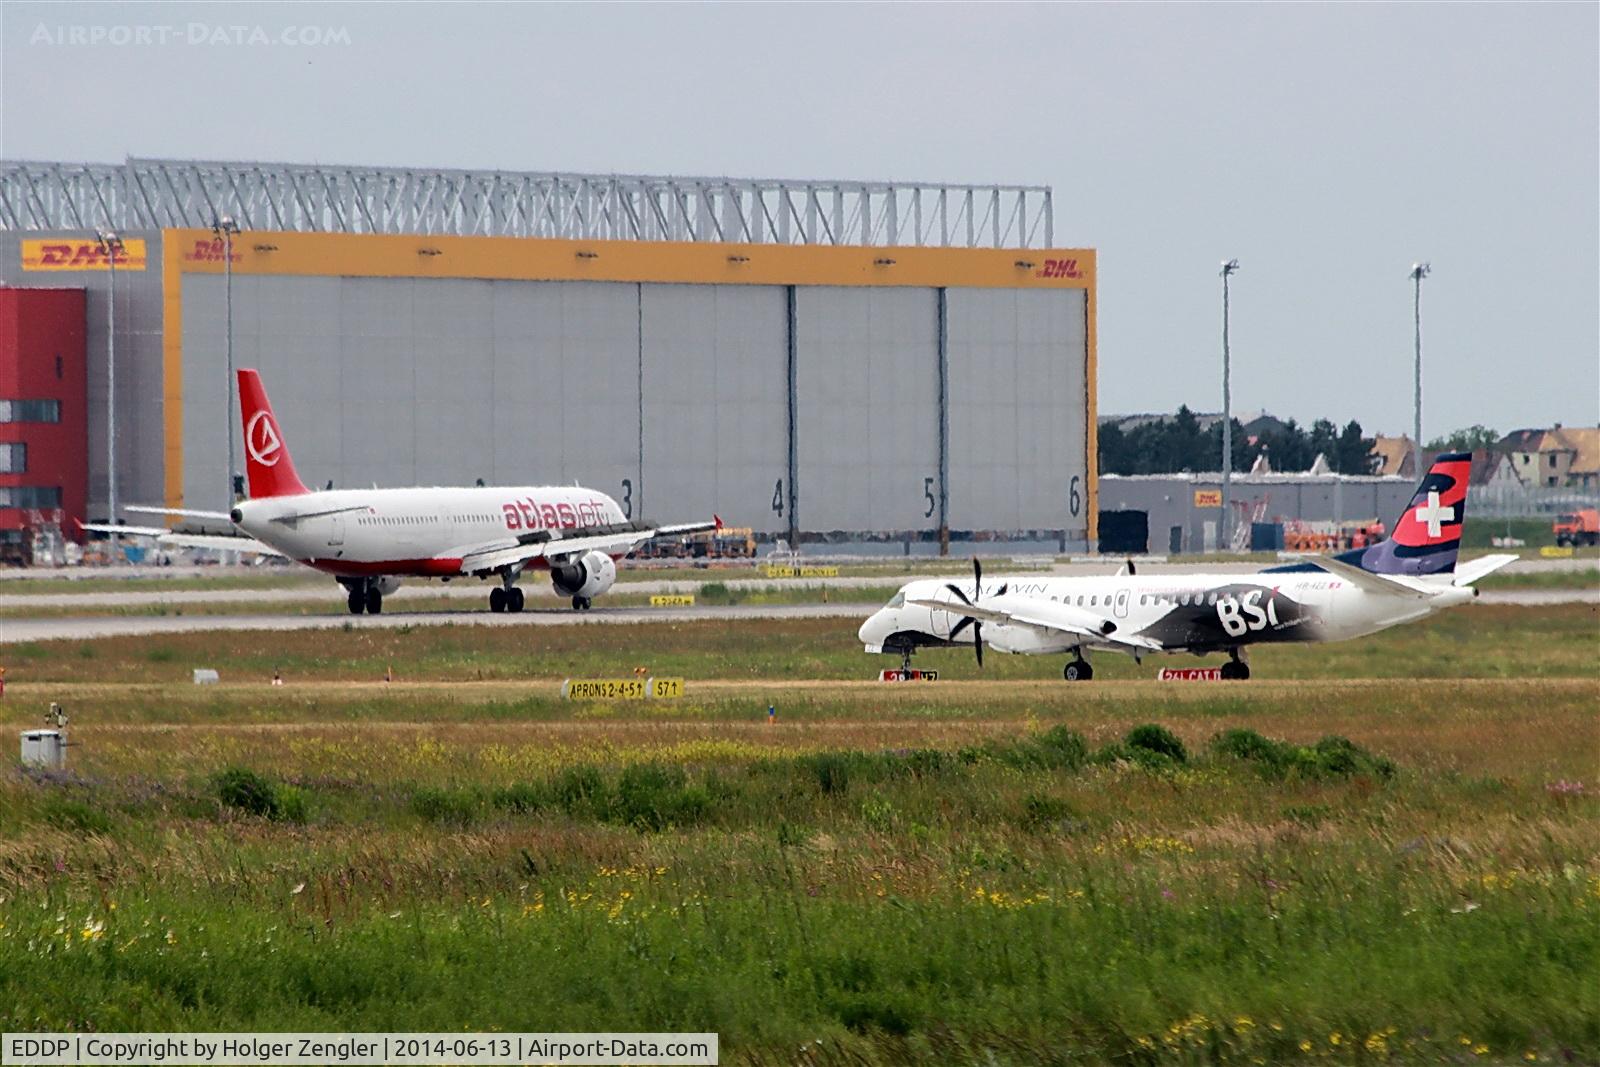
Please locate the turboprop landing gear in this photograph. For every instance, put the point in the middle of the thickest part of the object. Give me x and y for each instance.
(506, 597)
(1236, 669)
(1077, 668)
(581, 603)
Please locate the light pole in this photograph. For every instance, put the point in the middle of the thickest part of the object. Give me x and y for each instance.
(1419, 271)
(225, 227)
(111, 246)
(1227, 413)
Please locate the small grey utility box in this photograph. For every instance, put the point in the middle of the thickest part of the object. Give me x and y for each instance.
(44, 748)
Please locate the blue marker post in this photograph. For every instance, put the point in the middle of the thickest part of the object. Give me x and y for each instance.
(772, 714)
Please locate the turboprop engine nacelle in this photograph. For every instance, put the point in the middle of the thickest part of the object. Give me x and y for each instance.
(587, 576)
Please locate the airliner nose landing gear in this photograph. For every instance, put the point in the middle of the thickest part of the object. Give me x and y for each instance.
(581, 603)
(1236, 669)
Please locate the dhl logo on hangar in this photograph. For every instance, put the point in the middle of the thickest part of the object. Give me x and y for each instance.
(1059, 268)
(76, 253)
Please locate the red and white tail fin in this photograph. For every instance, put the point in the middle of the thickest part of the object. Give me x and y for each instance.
(266, 455)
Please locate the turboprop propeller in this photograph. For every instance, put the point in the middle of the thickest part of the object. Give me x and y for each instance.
(977, 589)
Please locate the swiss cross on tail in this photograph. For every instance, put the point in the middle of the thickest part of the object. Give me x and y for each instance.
(1428, 534)
(267, 459)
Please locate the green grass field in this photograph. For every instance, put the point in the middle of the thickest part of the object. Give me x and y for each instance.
(994, 868)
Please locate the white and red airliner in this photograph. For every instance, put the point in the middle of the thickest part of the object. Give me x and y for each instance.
(370, 539)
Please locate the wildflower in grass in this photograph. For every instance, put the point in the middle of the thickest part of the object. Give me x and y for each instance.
(1336, 1038)
(298, 889)
(93, 929)
(1305, 1046)
(1376, 1044)
(1480, 1050)
(1243, 1024)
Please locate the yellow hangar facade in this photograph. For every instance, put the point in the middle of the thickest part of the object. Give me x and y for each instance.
(821, 361)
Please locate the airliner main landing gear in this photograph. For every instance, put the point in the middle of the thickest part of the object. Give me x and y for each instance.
(1236, 669)
(1077, 668)
(364, 596)
(506, 596)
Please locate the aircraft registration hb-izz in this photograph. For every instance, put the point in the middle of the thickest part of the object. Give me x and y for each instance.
(369, 539)
(1407, 577)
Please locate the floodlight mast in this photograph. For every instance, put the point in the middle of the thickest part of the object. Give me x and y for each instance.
(225, 227)
(1419, 271)
(111, 246)
(1226, 540)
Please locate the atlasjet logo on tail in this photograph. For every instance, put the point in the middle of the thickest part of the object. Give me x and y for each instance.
(261, 438)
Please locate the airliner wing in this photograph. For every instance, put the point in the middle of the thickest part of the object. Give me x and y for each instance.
(182, 513)
(166, 538)
(493, 557)
(1042, 615)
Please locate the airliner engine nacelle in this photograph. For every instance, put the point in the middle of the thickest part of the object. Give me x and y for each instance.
(387, 583)
(588, 576)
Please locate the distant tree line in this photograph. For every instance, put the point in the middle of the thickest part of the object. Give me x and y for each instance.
(1168, 446)
(1475, 438)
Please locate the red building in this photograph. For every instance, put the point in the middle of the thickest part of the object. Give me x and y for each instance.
(44, 434)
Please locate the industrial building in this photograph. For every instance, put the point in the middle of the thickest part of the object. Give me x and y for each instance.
(818, 360)
(1172, 514)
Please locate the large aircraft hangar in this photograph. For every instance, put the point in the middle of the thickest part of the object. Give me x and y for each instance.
(824, 361)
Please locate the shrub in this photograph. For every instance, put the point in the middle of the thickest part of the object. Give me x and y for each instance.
(244, 790)
(455, 806)
(1249, 745)
(581, 790)
(1041, 812)
(1331, 757)
(652, 797)
(522, 798)
(291, 803)
(831, 770)
(1066, 748)
(1152, 737)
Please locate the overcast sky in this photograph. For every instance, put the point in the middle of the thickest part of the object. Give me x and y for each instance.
(1327, 147)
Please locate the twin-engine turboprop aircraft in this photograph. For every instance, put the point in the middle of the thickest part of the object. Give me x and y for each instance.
(369, 539)
(1407, 577)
